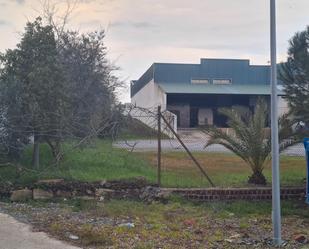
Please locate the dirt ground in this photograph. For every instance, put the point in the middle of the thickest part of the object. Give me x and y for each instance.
(178, 224)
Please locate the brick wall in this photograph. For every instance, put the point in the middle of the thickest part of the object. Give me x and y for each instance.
(238, 193)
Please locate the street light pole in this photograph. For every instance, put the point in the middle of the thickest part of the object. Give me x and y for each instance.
(276, 209)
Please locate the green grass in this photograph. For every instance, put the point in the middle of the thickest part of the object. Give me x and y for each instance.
(156, 210)
(100, 161)
(135, 129)
(95, 162)
(253, 208)
(224, 169)
(240, 209)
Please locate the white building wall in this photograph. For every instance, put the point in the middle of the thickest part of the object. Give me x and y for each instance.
(282, 106)
(148, 99)
(150, 96)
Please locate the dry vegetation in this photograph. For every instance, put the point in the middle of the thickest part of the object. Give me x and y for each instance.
(225, 169)
(178, 224)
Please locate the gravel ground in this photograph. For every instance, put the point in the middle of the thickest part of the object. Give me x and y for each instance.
(179, 229)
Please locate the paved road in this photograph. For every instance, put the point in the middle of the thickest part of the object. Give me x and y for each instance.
(196, 145)
(16, 235)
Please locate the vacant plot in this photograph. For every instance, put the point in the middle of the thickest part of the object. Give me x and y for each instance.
(224, 169)
(100, 160)
(178, 224)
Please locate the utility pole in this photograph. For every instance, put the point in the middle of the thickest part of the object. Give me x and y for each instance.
(276, 208)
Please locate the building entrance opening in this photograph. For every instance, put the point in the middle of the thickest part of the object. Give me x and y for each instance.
(193, 116)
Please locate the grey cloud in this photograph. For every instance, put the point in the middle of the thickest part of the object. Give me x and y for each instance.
(20, 1)
(91, 23)
(4, 23)
(142, 25)
(86, 1)
(138, 25)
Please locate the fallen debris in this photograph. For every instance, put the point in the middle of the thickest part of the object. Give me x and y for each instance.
(300, 238)
(73, 237)
(128, 225)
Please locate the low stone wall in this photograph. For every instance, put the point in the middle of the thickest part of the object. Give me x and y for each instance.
(60, 188)
(212, 194)
(139, 189)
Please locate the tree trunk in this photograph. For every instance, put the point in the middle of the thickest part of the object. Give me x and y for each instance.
(56, 151)
(36, 153)
(257, 178)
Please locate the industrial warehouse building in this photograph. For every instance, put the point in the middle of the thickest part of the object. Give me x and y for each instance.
(194, 92)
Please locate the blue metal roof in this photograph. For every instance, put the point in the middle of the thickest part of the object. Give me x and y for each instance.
(137, 85)
(239, 71)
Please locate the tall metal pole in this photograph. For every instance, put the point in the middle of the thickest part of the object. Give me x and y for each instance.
(159, 146)
(276, 209)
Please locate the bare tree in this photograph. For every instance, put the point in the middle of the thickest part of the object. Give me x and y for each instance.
(55, 17)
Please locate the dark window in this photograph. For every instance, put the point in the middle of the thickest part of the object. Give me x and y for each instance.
(193, 116)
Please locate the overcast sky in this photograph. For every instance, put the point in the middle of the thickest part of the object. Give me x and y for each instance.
(140, 32)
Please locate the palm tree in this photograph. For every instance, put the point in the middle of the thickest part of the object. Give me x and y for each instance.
(251, 141)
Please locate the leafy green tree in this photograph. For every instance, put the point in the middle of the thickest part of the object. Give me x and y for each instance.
(90, 80)
(14, 134)
(251, 140)
(56, 88)
(294, 75)
(32, 81)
